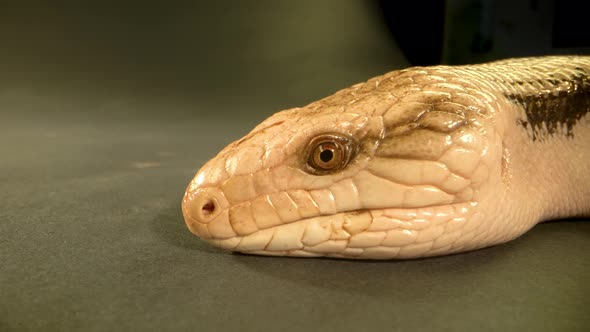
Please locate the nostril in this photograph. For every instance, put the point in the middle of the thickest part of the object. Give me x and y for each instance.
(208, 208)
(203, 206)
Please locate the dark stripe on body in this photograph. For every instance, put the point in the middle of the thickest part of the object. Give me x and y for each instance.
(563, 105)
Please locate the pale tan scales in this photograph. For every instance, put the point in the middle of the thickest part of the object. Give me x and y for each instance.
(446, 159)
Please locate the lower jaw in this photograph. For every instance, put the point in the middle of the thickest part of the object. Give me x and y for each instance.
(368, 234)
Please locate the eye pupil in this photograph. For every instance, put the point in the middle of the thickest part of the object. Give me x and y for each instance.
(326, 155)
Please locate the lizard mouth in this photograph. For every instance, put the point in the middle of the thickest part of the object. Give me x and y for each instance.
(363, 234)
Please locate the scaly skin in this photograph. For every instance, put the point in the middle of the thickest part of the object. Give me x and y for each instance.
(447, 159)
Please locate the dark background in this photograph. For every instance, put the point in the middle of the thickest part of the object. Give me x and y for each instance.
(107, 110)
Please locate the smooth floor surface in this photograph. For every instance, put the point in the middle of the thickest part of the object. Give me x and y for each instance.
(92, 238)
(105, 116)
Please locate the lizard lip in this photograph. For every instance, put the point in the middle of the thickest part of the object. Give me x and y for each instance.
(308, 232)
(348, 232)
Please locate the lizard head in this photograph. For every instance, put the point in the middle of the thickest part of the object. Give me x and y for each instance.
(395, 167)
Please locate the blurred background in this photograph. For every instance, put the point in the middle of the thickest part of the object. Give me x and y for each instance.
(107, 110)
(197, 56)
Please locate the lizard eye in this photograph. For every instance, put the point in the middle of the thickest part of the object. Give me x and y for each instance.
(329, 153)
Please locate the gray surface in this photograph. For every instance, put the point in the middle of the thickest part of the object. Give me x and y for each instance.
(97, 151)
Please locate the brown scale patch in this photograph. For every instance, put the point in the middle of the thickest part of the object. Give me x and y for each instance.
(415, 144)
(562, 105)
